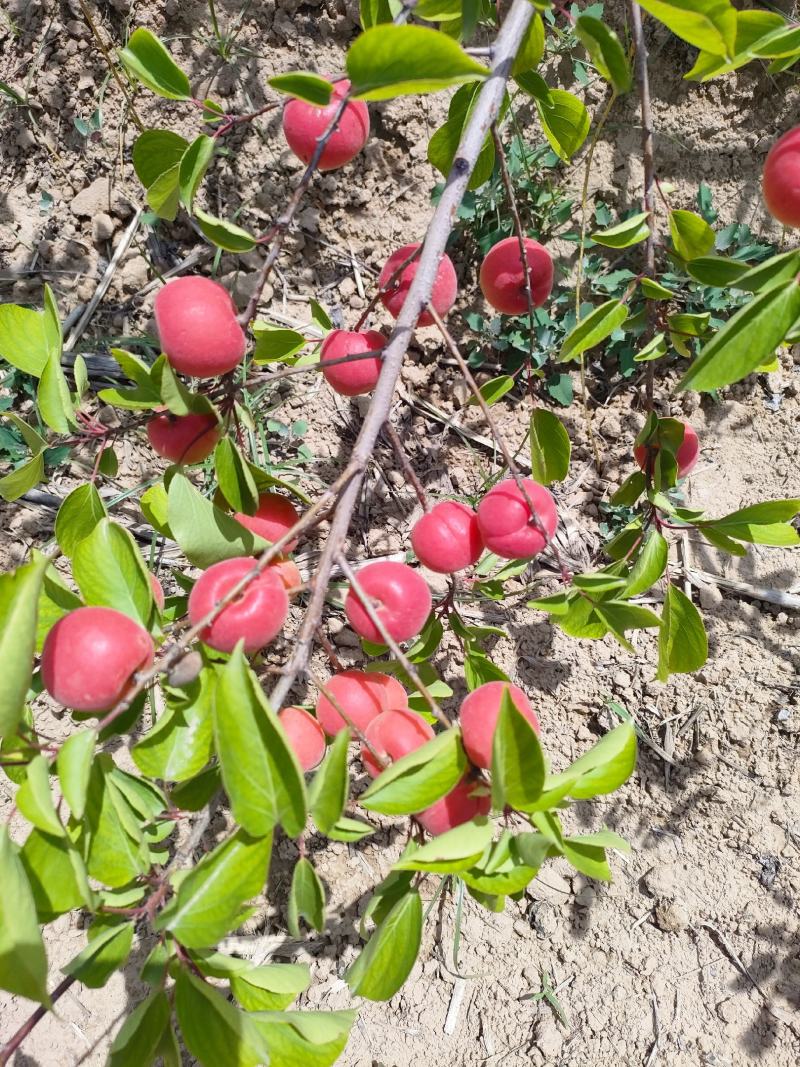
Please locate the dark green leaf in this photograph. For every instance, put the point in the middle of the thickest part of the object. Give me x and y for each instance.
(550, 447)
(214, 1031)
(23, 964)
(137, 1042)
(235, 479)
(181, 742)
(716, 270)
(194, 164)
(110, 942)
(682, 644)
(386, 960)
(19, 600)
(650, 564)
(306, 898)
(605, 51)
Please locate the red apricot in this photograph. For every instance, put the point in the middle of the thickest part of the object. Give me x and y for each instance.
(361, 376)
(457, 807)
(275, 516)
(183, 438)
(502, 277)
(479, 713)
(686, 454)
(158, 591)
(305, 735)
(360, 696)
(399, 595)
(196, 321)
(781, 180)
(256, 615)
(505, 520)
(304, 124)
(395, 696)
(394, 734)
(448, 537)
(394, 289)
(90, 657)
(287, 571)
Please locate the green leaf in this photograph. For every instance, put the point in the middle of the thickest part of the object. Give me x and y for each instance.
(23, 342)
(164, 194)
(193, 166)
(550, 447)
(53, 398)
(604, 768)
(198, 791)
(534, 85)
(306, 899)
(109, 571)
(138, 1039)
(110, 942)
(146, 58)
(518, 767)
(347, 829)
(22, 479)
(386, 960)
(374, 12)
(235, 479)
(625, 234)
(19, 603)
(388, 61)
(605, 51)
(597, 583)
(303, 86)
(751, 28)
(781, 268)
(205, 533)
(225, 235)
(181, 742)
(214, 1031)
(654, 290)
(273, 343)
(172, 391)
(304, 1038)
(691, 234)
(439, 10)
(23, 964)
(716, 270)
(531, 49)
(270, 988)
(746, 340)
(154, 152)
(52, 329)
(77, 517)
(494, 390)
(707, 24)
(655, 348)
(620, 616)
(443, 145)
(565, 122)
(56, 875)
(116, 850)
(683, 644)
(260, 771)
(35, 800)
(419, 779)
(765, 513)
(210, 897)
(453, 851)
(587, 858)
(650, 564)
(328, 793)
(74, 763)
(594, 328)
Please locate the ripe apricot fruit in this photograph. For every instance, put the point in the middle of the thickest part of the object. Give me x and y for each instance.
(304, 124)
(90, 657)
(158, 591)
(305, 735)
(505, 520)
(256, 615)
(394, 290)
(274, 516)
(394, 694)
(361, 696)
(183, 438)
(479, 713)
(781, 179)
(394, 734)
(197, 327)
(361, 376)
(457, 807)
(448, 537)
(399, 595)
(686, 454)
(502, 276)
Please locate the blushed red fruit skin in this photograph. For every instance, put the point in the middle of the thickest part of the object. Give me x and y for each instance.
(479, 713)
(306, 736)
(454, 809)
(447, 538)
(395, 696)
(90, 656)
(505, 521)
(394, 734)
(287, 571)
(352, 379)
(361, 696)
(183, 438)
(781, 179)
(197, 327)
(303, 124)
(158, 592)
(686, 456)
(444, 290)
(274, 516)
(257, 615)
(502, 278)
(401, 598)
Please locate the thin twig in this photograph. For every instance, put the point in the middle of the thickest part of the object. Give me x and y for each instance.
(13, 1043)
(409, 473)
(112, 66)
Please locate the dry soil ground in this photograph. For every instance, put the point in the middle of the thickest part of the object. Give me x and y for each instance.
(691, 955)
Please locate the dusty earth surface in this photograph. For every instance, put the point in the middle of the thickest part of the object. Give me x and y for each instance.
(691, 955)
